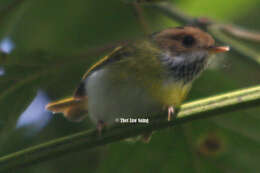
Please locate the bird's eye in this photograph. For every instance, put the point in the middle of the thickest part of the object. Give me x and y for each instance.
(188, 41)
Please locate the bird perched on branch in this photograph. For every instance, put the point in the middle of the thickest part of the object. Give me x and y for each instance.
(141, 78)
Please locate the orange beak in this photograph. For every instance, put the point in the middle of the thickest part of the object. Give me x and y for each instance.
(219, 49)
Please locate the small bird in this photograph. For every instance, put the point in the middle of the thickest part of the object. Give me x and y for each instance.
(141, 78)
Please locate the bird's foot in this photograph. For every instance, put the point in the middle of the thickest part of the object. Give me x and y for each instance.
(100, 126)
(171, 112)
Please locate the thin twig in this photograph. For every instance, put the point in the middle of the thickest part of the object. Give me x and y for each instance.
(242, 33)
(169, 10)
(86, 140)
(236, 46)
(141, 19)
(7, 9)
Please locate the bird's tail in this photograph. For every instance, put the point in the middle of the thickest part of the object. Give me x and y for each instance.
(73, 109)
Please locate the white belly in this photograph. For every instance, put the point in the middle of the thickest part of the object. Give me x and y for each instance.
(109, 99)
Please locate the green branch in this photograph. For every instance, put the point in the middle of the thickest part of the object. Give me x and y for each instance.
(173, 13)
(86, 140)
(4, 11)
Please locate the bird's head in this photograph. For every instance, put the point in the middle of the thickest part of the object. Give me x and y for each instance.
(185, 51)
(188, 42)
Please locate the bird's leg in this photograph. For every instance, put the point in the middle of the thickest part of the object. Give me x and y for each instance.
(100, 126)
(171, 111)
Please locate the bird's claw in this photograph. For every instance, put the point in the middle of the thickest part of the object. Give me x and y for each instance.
(170, 112)
(100, 126)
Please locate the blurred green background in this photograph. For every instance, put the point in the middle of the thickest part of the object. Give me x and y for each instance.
(51, 41)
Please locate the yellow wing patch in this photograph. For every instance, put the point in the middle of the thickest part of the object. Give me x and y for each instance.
(72, 109)
(101, 61)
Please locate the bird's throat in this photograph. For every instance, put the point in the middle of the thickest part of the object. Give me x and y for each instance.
(185, 67)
